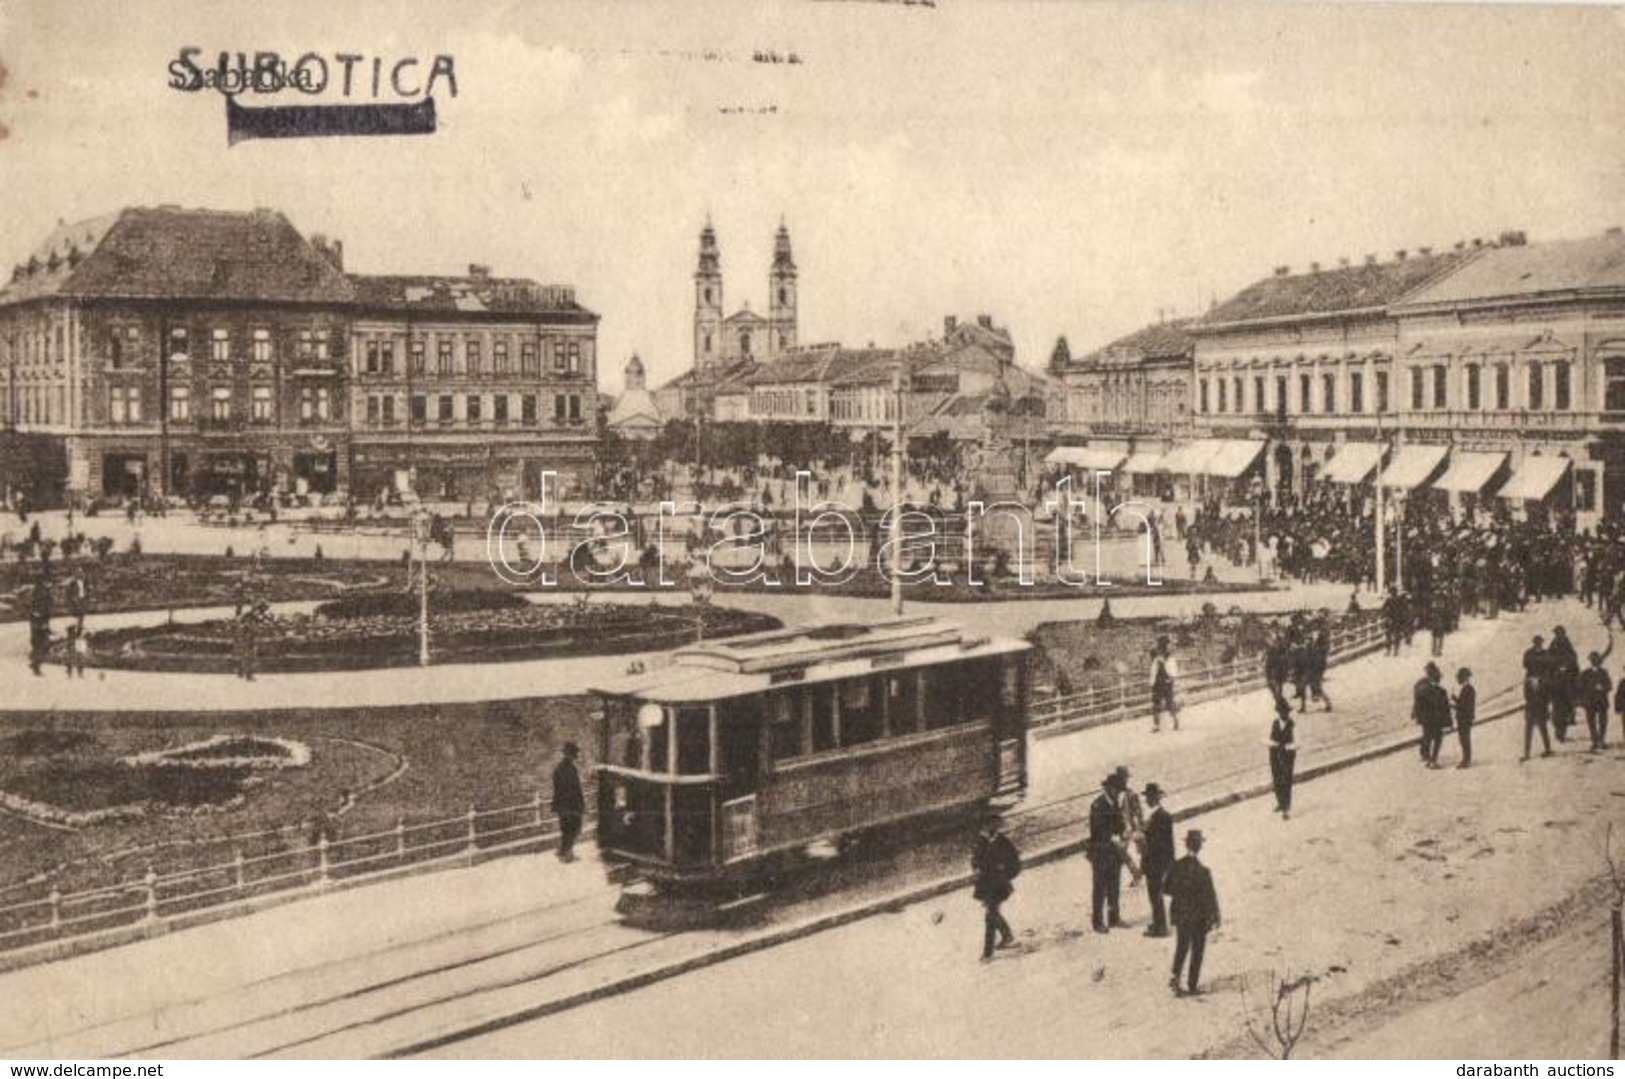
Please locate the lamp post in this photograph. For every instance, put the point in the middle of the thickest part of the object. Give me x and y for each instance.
(899, 385)
(1258, 488)
(1382, 528)
(420, 535)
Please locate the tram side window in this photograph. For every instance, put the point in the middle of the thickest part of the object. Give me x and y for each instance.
(860, 712)
(983, 687)
(904, 691)
(785, 710)
(625, 745)
(693, 741)
(823, 718)
(944, 697)
(659, 738)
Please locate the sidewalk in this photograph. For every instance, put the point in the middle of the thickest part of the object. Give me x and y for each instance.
(367, 971)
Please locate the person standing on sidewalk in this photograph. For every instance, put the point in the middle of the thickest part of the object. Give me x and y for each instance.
(1594, 686)
(1536, 705)
(996, 864)
(569, 802)
(1163, 670)
(1466, 704)
(1194, 910)
(1159, 858)
(1107, 829)
(1562, 672)
(1283, 756)
(1431, 709)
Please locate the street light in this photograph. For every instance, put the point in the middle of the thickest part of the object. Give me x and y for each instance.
(420, 533)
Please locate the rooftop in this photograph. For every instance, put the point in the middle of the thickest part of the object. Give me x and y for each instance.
(471, 293)
(1596, 263)
(1332, 291)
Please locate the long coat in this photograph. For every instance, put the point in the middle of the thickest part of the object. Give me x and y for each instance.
(996, 864)
(1194, 903)
(1159, 843)
(568, 797)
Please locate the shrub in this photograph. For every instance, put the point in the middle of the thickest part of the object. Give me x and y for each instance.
(405, 604)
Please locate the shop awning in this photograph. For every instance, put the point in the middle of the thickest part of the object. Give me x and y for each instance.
(1190, 457)
(1104, 456)
(1470, 472)
(1354, 462)
(1143, 462)
(1535, 478)
(1413, 466)
(1234, 457)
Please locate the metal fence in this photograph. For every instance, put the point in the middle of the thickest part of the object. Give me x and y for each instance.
(286, 863)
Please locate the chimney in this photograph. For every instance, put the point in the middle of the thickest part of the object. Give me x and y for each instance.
(1282, 271)
(1477, 243)
(1426, 251)
(1399, 256)
(1371, 260)
(950, 323)
(1314, 267)
(1517, 238)
(1461, 245)
(1613, 230)
(1343, 262)
(476, 269)
(985, 321)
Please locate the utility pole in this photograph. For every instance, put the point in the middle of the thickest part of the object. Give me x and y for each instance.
(1382, 528)
(420, 530)
(897, 451)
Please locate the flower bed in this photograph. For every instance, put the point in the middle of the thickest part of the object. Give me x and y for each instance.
(498, 627)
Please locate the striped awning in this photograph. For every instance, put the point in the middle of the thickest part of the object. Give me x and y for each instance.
(1144, 462)
(1191, 457)
(1236, 456)
(1354, 462)
(1469, 473)
(1105, 456)
(1413, 467)
(1535, 478)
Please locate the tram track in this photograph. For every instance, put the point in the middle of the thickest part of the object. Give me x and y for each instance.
(437, 994)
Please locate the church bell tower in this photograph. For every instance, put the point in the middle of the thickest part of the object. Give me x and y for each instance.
(708, 301)
(781, 291)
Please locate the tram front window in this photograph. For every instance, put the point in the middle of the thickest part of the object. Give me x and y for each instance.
(860, 713)
(693, 741)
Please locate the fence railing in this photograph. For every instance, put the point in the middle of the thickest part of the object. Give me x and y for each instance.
(321, 862)
(309, 864)
(1131, 696)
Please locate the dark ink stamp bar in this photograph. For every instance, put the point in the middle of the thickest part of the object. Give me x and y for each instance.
(322, 121)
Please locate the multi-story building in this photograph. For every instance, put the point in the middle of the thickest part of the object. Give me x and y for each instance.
(469, 387)
(197, 352)
(169, 350)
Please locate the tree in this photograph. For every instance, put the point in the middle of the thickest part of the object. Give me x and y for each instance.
(1289, 1015)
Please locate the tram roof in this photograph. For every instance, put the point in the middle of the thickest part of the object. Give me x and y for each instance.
(825, 652)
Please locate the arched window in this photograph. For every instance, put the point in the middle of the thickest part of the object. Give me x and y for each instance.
(784, 296)
(708, 342)
(744, 343)
(708, 299)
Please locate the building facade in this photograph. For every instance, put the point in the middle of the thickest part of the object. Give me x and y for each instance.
(470, 387)
(722, 340)
(197, 353)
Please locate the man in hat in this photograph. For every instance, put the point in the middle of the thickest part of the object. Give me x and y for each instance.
(1466, 712)
(1537, 704)
(1283, 756)
(1133, 824)
(569, 802)
(1562, 672)
(996, 863)
(1194, 910)
(1107, 842)
(1595, 686)
(1430, 709)
(1159, 857)
(1162, 685)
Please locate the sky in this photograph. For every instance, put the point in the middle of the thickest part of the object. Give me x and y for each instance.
(1068, 168)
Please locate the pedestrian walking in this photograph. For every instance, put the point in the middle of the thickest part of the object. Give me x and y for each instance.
(1595, 686)
(569, 802)
(1563, 672)
(1159, 858)
(1466, 705)
(1283, 756)
(996, 864)
(1107, 831)
(1194, 910)
(1163, 670)
(1536, 713)
(1430, 709)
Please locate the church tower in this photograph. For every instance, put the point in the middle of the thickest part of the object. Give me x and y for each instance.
(708, 301)
(781, 292)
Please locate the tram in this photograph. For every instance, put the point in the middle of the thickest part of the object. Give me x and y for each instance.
(745, 752)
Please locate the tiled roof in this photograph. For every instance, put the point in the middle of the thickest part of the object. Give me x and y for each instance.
(167, 252)
(1594, 263)
(1349, 288)
(825, 364)
(1158, 341)
(437, 294)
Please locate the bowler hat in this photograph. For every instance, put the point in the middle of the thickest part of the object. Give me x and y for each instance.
(572, 750)
(1194, 837)
(1153, 791)
(1283, 707)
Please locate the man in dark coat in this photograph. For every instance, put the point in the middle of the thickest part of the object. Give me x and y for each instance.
(1108, 831)
(569, 802)
(996, 864)
(1431, 709)
(1194, 910)
(1537, 704)
(1594, 687)
(1563, 671)
(1159, 857)
(1466, 712)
